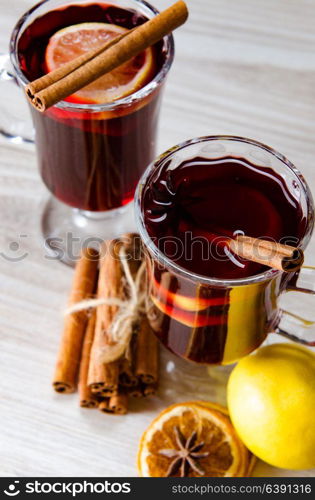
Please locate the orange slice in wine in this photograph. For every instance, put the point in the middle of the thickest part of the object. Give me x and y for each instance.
(184, 302)
(76, 40)
(193, 319)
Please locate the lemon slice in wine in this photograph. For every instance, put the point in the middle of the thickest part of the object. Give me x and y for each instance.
(76, 40)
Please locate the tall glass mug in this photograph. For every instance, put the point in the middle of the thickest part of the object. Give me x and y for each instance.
(212, 320)
(90, 156)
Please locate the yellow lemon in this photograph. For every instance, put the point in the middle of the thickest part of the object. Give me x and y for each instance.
(271, 400)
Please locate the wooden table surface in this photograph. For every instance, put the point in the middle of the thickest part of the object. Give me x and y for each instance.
(242, 67)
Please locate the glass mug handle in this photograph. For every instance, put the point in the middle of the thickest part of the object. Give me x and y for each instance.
(293, 326)
(15, 121)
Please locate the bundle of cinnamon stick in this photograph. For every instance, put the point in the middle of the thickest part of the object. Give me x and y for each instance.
(86, 336)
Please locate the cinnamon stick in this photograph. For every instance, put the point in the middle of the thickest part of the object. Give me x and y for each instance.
(144, 348)
(119, 403)
(64, 70)
(126, 376)
(111, 376)
(269, 253)
(147, 353)
(149, 390)
(133, 248)
(105, 376)
(116, 403)
(87, 398)
(96, 388)
(68, 361)
(107, 393)
(136, 392)
(118, 53)
(104, 406)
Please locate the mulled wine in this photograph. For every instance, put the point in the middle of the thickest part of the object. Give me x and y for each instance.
(91, 159)
(190, 210)
(206, 304)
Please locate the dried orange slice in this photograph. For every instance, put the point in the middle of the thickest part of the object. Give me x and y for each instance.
(73, 41)
(248, 460)
(192, 440)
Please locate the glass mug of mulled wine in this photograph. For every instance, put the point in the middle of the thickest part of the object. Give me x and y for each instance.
(205, 304)
(92, 147)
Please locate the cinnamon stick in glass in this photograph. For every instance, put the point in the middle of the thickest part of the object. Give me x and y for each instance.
(269, 253)
(127, 47)
(117, 404)
(64, 70)
(83, 286)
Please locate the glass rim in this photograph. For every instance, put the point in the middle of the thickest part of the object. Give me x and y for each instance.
(219, 282)
(96, 108)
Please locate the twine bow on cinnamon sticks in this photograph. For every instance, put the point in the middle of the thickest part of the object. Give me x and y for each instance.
(129, 309)
(107, 347)
(73, 76)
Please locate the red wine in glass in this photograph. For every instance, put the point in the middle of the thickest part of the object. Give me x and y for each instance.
(188, 207)
(90, 160)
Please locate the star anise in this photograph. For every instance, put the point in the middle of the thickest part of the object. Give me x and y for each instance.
(186, 456)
